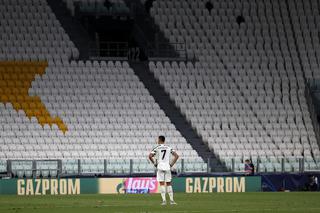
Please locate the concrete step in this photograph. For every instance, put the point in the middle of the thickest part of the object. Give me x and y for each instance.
(149, 32)
(77, 33)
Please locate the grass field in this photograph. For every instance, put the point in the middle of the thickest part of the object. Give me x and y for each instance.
(246, 202)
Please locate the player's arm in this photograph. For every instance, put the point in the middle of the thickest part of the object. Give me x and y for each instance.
(151, 155)
(175, 158)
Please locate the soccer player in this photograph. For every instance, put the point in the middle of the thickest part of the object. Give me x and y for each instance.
(162, 154)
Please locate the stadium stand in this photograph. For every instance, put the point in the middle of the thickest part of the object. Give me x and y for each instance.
(108, 112)
(72, 110)
(245, 95)
(305, 20)
(29, 30)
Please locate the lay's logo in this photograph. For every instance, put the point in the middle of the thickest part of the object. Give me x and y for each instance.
(141, 185)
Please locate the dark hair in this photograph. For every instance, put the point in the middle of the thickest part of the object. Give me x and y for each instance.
(247, 160)
(162, 138)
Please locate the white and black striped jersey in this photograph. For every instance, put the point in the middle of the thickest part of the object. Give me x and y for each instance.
(163, 154)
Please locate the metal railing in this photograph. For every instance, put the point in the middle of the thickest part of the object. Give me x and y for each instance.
(34, 168)
(110, 51)
(100, 167)
(105, 167)
(312, 87)
(283, 165)
(167, 51)
(122, 51)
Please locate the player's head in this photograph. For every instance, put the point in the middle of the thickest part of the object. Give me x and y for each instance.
(247, 161)
(161, 139)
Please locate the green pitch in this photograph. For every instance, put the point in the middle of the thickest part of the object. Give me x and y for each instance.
(245, 202)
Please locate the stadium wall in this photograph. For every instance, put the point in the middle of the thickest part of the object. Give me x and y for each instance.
(291, 182)
(130, 185)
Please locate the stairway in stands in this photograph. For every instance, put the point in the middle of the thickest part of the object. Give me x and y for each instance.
(146, 32)
(73, 28)
(141, 69)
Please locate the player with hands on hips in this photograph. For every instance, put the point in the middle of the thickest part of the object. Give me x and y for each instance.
(160, 156)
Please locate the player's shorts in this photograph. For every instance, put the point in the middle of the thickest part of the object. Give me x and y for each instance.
(164, 176)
